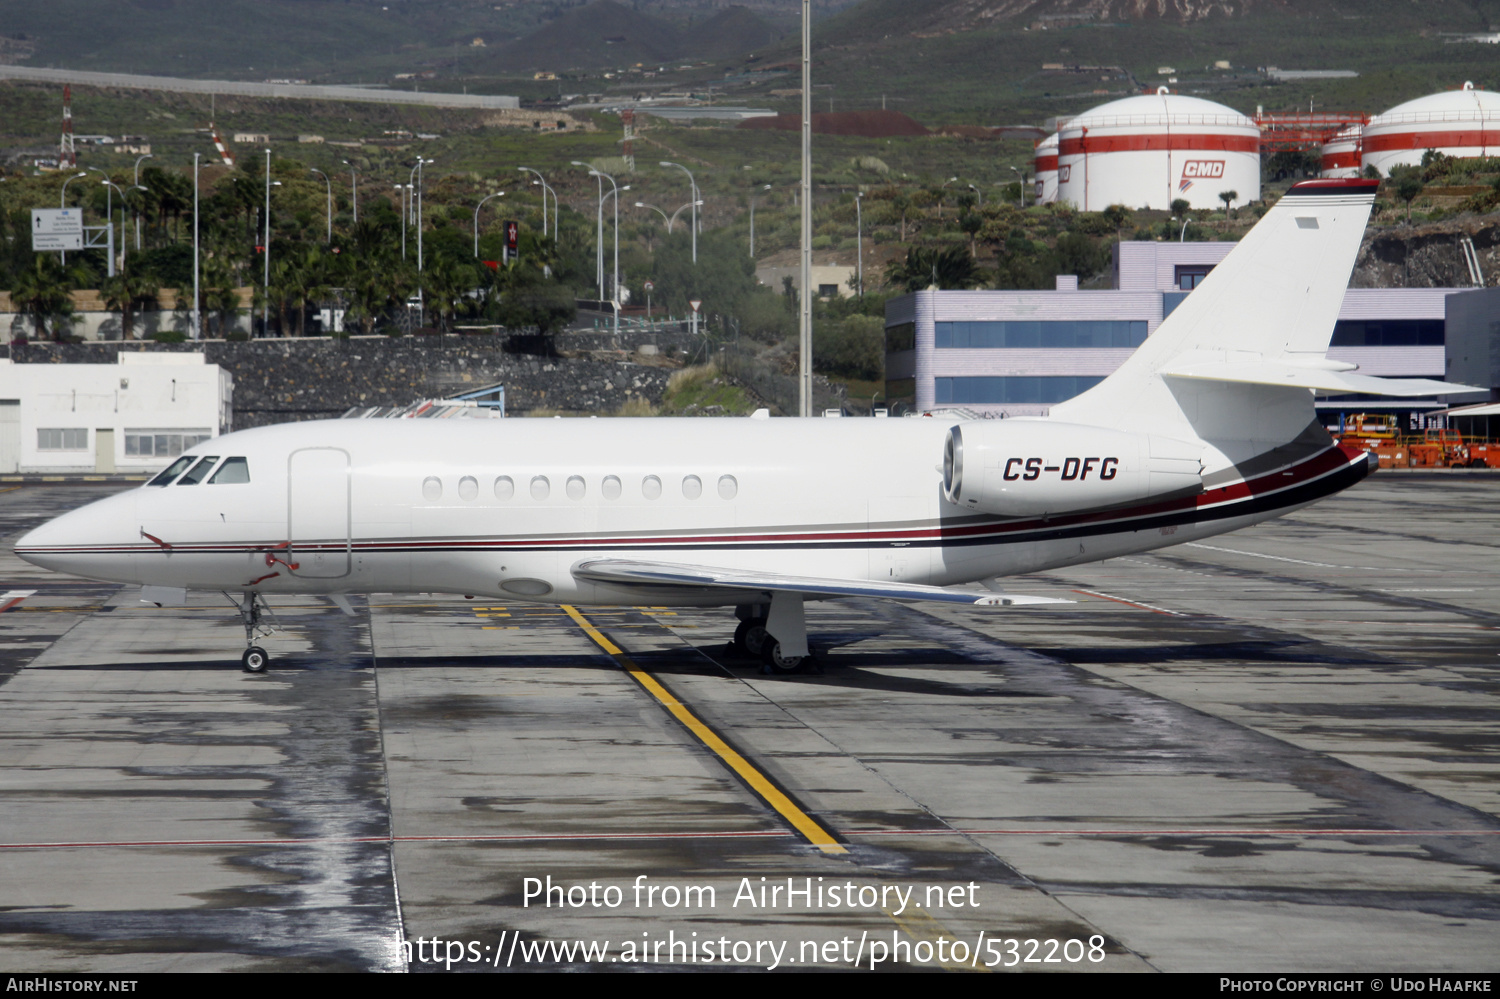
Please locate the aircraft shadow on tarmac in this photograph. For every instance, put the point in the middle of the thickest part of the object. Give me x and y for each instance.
(1289, 652)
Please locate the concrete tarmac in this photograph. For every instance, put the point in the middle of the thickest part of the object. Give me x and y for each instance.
(1274, 751)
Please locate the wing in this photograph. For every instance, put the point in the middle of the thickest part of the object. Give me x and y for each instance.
(668, 574)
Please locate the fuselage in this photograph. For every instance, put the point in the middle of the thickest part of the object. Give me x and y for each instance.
(505, 508)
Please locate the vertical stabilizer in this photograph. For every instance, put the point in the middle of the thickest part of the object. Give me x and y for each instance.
(1274, 299)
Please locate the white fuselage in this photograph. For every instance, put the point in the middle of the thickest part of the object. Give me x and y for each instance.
(507, 508)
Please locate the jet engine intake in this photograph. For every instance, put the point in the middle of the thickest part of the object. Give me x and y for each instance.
(1027, 468)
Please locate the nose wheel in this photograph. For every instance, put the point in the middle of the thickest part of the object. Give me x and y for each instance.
(252, 608)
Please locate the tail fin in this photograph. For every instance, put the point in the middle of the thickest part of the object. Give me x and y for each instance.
(1273, 300)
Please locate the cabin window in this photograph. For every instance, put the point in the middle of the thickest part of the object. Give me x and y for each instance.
(432, 488)
(234, 471)
(505, 487)
(540, 488)
(728, 487)
(62, 439)
(173, 470)
(651, 487)
(575, 487)
(468, 487)
(610, 487)
(692, 487)
(199, 471)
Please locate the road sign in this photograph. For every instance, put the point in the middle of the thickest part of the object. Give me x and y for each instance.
(696, 303)
(56, 229)
(649, 286)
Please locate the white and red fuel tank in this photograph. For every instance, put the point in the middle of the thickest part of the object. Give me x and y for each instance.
(1340, 155)
(1151, 150)
(1460, 123)
(1044, 167)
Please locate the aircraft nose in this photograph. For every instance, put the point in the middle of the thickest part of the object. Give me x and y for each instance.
(82, 538)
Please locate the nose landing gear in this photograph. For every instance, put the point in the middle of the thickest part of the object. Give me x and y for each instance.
(251, 608)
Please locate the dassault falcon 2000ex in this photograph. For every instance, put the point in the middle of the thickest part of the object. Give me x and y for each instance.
(1208, 427)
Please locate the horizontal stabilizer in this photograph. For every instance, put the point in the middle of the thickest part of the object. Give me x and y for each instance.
(657, 574)
(1320, 379)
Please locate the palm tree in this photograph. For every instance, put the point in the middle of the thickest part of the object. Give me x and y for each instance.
(445, 285)
(948, 268)
(220, 296)
(122, 293)
(42, 291)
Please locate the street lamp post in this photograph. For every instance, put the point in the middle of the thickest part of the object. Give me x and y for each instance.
(804, 331)
(109, 214)
(329, 184)
(401, 190)
(859, 239)
(136, 184)
(265, 301)
(695, 201)
(670, 220)
(497, 194)
(197, 322)
(546, 190)
(353, 189)
(62, 202)
(615, 287)
(1021, 179)
(766, 187)
(978, 193)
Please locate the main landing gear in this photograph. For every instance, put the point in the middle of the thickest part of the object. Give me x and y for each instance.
(759, 628)
(252, 607)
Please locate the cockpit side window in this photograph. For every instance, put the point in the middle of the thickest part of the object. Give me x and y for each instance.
(232, 472)
(199, 470)
(172, 471)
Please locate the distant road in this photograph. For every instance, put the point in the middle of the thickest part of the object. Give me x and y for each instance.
(292, 91)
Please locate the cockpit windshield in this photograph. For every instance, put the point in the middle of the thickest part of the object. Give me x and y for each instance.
(233, 472)
(199, 471)
(173, 470)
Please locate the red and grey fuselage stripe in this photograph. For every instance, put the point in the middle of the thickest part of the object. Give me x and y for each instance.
(1319, 475)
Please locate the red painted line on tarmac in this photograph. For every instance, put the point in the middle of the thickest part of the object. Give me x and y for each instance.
(1174, 832)
(518, 838)
(1131, 603)
(749, 834)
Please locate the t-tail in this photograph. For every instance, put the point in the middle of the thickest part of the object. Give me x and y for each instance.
(1236, 363)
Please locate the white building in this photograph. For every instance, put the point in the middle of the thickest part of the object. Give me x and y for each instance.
(1459, 123)
(1021, 352)
(1148, 151)
(134, 416)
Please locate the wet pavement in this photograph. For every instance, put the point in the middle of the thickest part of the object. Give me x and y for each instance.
(1277, 750)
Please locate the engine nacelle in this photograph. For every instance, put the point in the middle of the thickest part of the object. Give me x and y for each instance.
(1027, 468)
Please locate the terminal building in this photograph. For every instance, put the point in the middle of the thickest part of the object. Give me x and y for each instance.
(133, 416)
(1018, 353)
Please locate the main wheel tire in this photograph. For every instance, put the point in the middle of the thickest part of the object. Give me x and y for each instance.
(255, 659)
(770, 654)
(750, 637)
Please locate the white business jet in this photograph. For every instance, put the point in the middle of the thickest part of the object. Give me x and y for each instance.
(1208, 427)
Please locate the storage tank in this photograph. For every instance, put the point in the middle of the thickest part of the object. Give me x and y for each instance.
(1462, 123)
(1341, 154)
(1045, 168)
(1147, 151)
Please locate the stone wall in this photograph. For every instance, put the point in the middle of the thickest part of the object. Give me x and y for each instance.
(283, 380)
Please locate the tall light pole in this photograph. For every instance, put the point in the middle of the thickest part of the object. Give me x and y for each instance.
(420, 163)
(109, 214)
(859, 239)
(615, 287)
(137, 186)
(546, 190)
(978, 193)
(599, 240)
(401, 190)
(62, 202)
(353, 189)
(197, 322)
(265, 300)
(695, 200)
(497, 194)
(669, 220)
(1021, 180)
(804, 377)
(765, 187)
(329, 184)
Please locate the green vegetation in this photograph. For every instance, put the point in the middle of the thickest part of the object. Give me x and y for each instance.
(703, 391)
